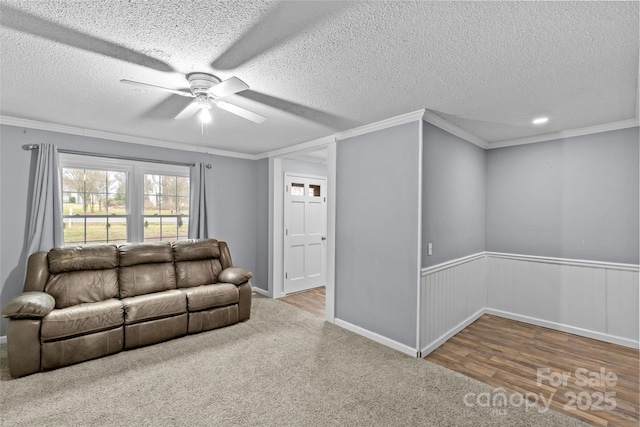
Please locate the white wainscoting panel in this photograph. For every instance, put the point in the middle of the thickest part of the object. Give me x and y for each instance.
(623, 316)
(597, 300)
(453, 295)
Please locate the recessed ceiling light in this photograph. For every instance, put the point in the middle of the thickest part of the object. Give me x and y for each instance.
(540, 120)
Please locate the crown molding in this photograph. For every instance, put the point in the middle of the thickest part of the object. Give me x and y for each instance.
(72, 130)
(324, 141)
(426, 115)
(303, 146)
(382, 124)
(447, 126)
(605, 127)
(33, 124)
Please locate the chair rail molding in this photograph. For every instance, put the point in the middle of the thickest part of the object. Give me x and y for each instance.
(593, 299)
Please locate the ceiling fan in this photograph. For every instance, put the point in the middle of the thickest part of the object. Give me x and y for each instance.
(207, 90)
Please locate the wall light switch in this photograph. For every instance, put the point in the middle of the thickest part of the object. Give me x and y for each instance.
(430, 249)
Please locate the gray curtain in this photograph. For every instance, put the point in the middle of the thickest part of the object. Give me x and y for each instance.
(45, 222)
(198, 227)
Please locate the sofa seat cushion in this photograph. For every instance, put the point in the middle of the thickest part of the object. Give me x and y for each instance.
(82, 319)
(210, 296)
(154, 306)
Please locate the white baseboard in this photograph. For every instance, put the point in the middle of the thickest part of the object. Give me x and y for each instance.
(437, 343)
(260, 291)
(403, 348)
(532, 321)
(3, 339)
(564, 328)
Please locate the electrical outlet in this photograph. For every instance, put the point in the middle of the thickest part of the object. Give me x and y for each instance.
(430, 249)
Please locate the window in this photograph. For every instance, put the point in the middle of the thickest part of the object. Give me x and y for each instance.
(297, 189)
(166, 207)
(94, 205)
(109, 201)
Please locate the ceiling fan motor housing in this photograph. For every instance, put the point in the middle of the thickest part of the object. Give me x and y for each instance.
(200, 83)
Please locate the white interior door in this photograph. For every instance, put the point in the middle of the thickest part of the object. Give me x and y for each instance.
(305, 228)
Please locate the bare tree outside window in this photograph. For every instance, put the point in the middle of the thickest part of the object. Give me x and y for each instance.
(94, 205)
(106, 201)
(166, 207)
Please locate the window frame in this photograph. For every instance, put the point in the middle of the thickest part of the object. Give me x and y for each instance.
(135, 171)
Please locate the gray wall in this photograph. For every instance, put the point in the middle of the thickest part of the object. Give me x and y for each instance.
(453, 196)
(376, 223)
(233, 208)
(572, 198)
(307, 168)
(261, 272)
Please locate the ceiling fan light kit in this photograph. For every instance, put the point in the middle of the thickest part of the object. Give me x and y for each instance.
(207, 90)
(205, 115)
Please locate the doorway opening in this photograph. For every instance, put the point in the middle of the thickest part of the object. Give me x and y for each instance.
(302, 228)
(312, 301)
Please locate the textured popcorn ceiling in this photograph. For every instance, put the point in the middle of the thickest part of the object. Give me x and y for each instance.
(318, 68)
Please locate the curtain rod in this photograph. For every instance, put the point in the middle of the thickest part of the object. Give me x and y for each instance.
(29, 147)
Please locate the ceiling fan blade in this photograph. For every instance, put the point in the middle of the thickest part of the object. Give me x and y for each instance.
(239, 111)
(188, 111)
(32, 24)
(228, 87)
(283, 22)
(322, 117)
(166, 89)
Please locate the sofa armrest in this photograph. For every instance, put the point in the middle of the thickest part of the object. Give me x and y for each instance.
(235, 275)
(37, 272)
(29, 305)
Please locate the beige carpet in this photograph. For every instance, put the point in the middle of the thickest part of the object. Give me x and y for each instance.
(282, 367)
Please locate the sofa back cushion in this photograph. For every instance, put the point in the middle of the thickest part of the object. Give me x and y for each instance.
(80, 274)
(197, 262)
(145, 268)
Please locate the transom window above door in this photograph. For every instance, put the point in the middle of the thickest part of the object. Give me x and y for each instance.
(302, 189)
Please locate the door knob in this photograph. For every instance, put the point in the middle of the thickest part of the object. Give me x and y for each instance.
(323, 238)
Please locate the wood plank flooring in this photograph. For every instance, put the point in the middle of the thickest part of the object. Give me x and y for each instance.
(505, 353)
(312, 301)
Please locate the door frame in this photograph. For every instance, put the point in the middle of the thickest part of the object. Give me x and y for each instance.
(276, 221)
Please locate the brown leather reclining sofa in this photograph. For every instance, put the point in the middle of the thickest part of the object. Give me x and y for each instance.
(84, 302)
